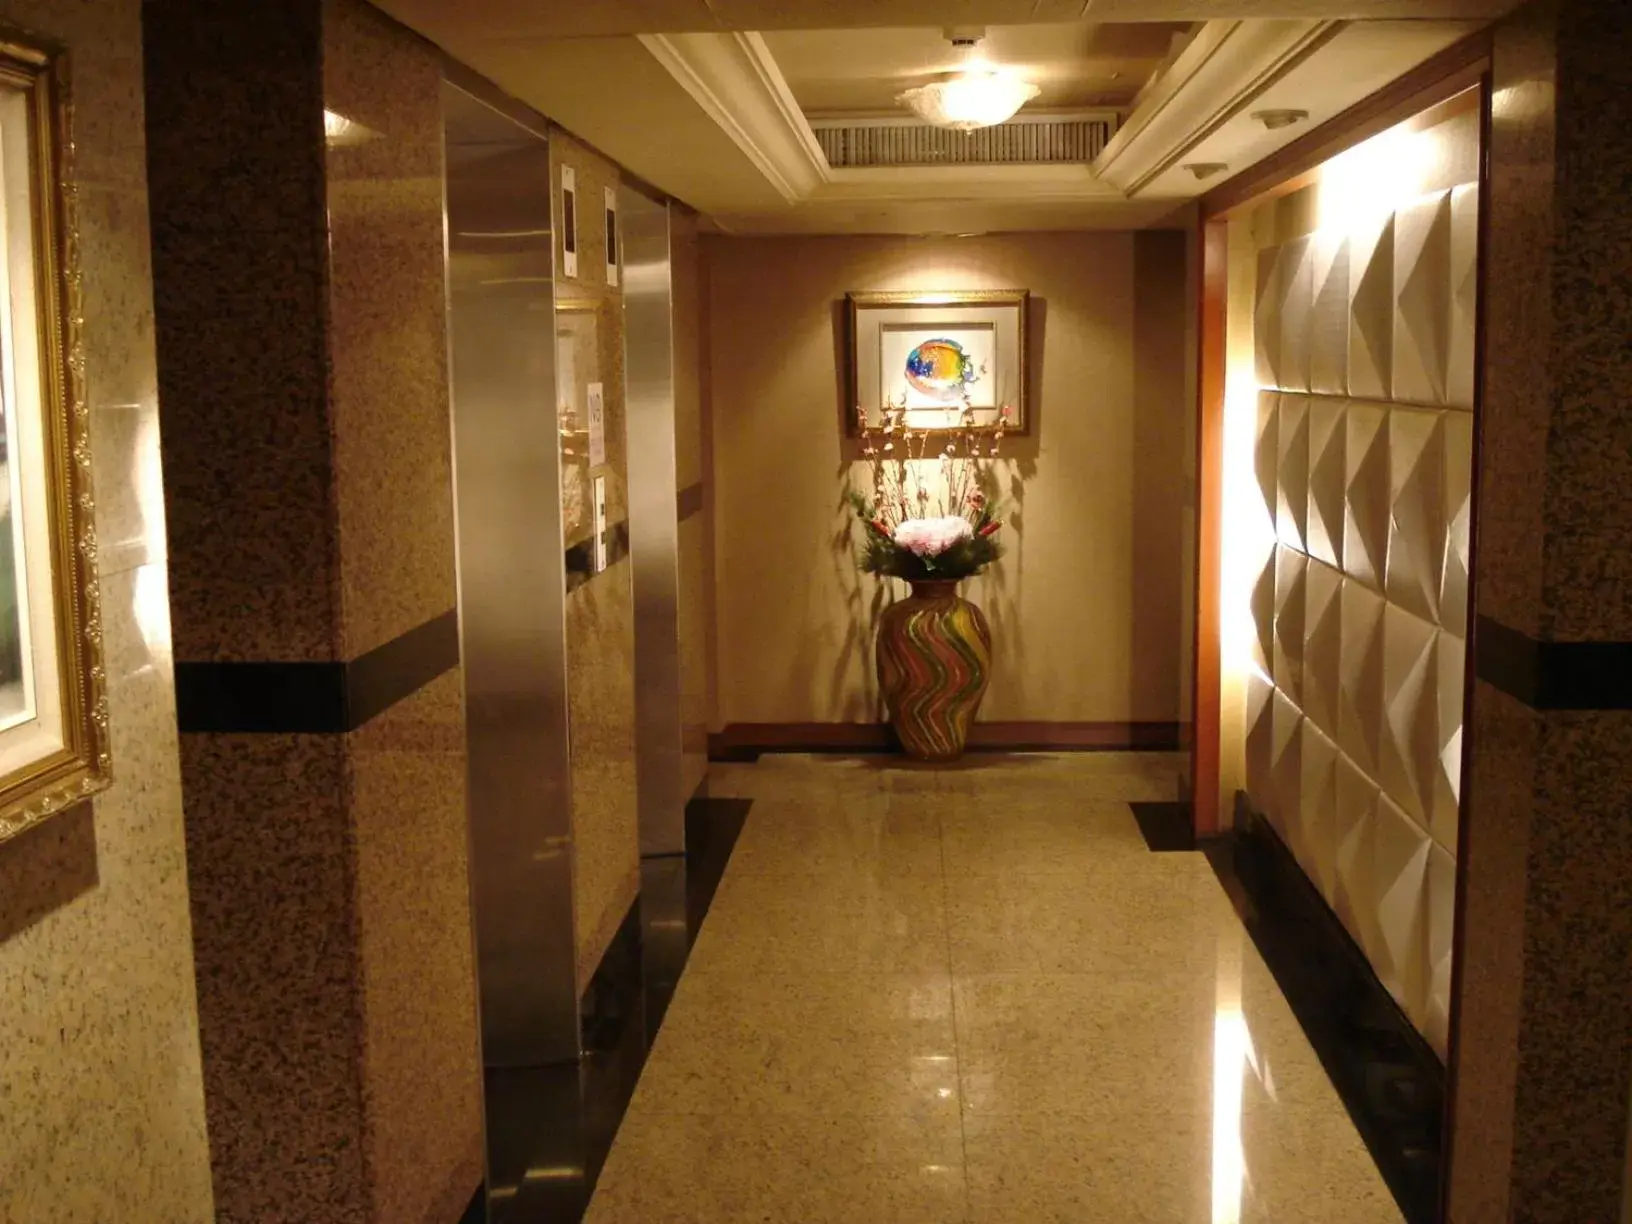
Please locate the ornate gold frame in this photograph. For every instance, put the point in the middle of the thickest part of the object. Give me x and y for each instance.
(31, 793)
(855, 303)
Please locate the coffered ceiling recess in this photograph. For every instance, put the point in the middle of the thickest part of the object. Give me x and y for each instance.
(719, 103)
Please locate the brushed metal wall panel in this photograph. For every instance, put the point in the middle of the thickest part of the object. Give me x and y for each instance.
(512, 582)
(654, 529)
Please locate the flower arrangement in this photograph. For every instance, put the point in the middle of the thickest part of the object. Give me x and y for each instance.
(928, 516)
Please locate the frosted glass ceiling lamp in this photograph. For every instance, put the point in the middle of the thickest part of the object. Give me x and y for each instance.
(974, 97)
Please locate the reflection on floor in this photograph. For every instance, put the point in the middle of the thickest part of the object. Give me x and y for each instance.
(975, 995)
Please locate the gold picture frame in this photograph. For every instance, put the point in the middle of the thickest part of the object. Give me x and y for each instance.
(983, 331)
(53, 703)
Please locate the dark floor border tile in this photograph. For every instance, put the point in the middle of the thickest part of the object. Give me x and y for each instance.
(1390, 1080)
(314, 698)
(1166, 826)
(549, 1129)
(1553, 675)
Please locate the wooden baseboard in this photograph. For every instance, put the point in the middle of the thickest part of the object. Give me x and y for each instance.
(747, 741)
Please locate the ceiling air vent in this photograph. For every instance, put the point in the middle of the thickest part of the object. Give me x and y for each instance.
(1031, 139)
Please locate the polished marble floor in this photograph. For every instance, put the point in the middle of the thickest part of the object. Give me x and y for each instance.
(975, 994)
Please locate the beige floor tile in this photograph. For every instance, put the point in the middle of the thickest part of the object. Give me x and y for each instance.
(1085, 1045)
(815, 922)
(1034, 836)
(879, 838)
(822, 1043)
(778, 1167)
(1117, 916)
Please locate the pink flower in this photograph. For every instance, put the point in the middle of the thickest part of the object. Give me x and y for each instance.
(930, 537)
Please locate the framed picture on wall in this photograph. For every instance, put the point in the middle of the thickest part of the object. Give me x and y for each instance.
(934, 355)
(53, 714)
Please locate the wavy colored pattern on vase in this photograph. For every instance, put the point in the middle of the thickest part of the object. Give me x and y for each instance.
(934, 661)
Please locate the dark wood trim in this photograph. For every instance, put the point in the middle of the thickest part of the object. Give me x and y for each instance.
(1214, 246)
(1453, 71)
(745, 741)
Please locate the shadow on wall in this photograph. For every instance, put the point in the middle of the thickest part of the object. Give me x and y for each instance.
(866, 596)
(46, 868)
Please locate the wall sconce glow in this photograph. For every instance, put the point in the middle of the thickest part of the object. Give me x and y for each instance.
(339, 131)
(972, 99)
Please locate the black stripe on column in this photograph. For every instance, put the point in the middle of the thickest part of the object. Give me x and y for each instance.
(1553, 675)
(314, 698)
(580, 558)
(688, 501)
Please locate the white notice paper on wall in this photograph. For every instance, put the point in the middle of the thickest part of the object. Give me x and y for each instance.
(597, 425)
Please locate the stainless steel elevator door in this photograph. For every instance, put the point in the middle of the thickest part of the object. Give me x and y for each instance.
(512, 582)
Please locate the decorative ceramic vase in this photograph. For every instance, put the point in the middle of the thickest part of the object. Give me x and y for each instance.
(934, 655)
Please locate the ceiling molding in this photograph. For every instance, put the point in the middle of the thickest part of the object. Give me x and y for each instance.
(1225, 67)
(1061, 183)
(737, 83)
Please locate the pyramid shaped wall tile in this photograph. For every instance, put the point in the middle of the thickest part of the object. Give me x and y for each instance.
(1263, 612)
(1399, 882)
(1371, 312)
(1464, 274)
(1410, 740)
(1290, 601)
(1329, 314)
(1266, 318)
(1314, 832)
(1260, 741)
(1266, 448)
(1322, 645)
(1458, 518)
(1422, 300)
(1296, 278)
(1286, 764)
(1354, 834)
(1360, 677)
(1367, 492)
(1450, 692)
(1417, 524)
(1440, 889)
(1328, 431)
(1292, 471)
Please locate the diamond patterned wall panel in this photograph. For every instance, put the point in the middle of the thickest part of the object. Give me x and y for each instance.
(1297, 287)
(1329, 314)
(1450, 664)
(1422, 300)
(1354, 833)
(1313, 829)
(1464, 295)
(1286, 762)
(1263, 611)
(1266, 319)
(1322, 645)
(1458, 514)
(1371, 312)
(1434, 1020)
(1292, 471)
(1266, 448)
(1290, 601)
(1399, 879)
(1417, 526)
(1323, 528)
(1260, 741)
(1360, 677)
(1410, 741)
(1366, 498)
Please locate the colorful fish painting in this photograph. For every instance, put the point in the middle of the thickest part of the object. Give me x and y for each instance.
(941, 370)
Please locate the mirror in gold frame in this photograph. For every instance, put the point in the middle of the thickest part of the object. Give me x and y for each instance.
(53, 711)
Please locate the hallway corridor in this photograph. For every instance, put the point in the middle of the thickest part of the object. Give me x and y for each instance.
(974, 994)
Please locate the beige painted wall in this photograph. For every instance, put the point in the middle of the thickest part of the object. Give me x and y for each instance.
(1087, 610)
(100, 1088)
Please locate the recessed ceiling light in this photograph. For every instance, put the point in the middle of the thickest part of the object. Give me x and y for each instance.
(1205, 170)
(1273, 120)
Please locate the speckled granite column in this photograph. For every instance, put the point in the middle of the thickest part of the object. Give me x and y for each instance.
(303, 387)
(1543, 1048)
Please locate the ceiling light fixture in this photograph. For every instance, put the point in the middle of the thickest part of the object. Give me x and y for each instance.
(1205, 170)
(976, 96)
(1274, 120)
